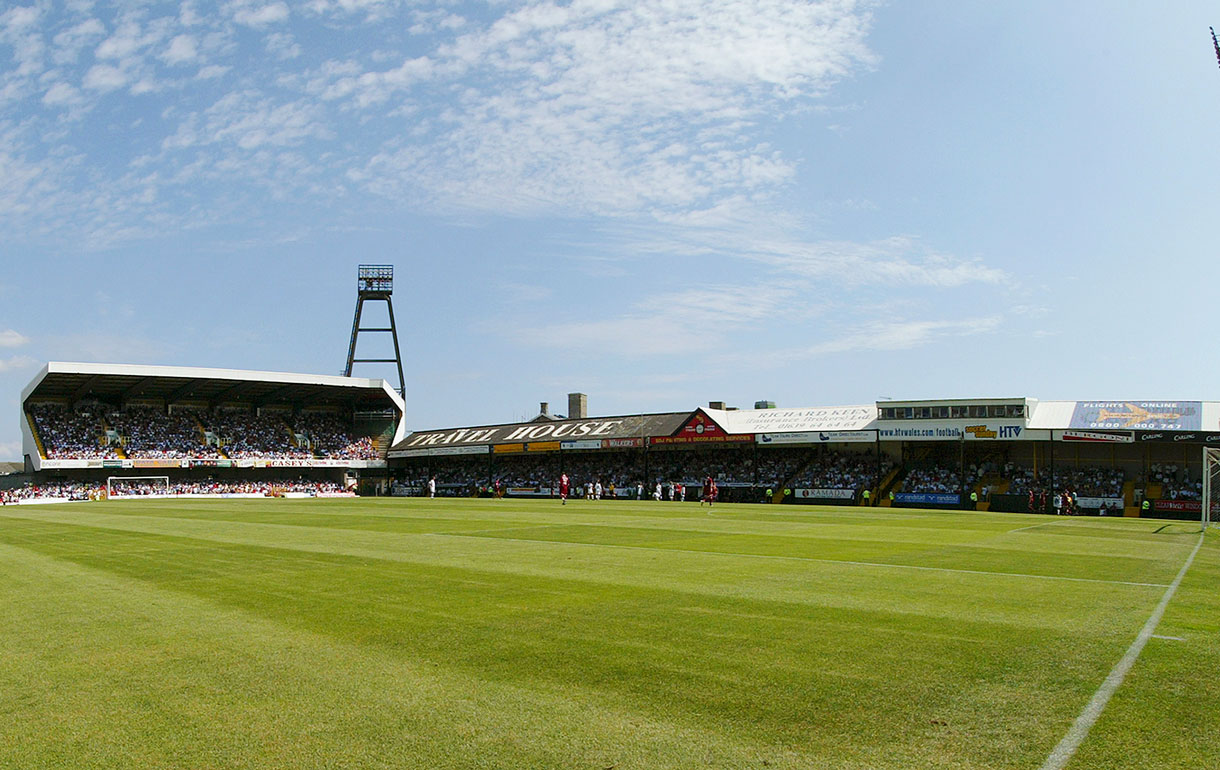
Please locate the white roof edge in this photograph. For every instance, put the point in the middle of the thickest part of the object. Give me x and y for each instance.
(286, 378)
(143, 370)
(34, 383)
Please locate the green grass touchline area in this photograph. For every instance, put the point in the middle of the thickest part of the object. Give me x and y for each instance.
(512, 634)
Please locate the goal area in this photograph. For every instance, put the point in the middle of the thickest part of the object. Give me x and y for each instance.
(1211, 486)
(137, 486)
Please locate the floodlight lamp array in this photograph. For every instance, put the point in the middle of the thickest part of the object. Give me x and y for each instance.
(375, 279)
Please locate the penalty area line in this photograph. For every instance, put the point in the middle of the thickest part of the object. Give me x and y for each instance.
(1067, 747)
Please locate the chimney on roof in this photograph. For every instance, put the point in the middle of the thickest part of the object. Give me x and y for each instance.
(715, 405)
(544, 409)
(578, 406)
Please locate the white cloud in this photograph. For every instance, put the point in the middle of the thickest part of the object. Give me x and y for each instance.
(20, 17)
(182, 50)
(11, 450)
(373, 10)
(247, 120)
(689, 321)
(892, 261)
(590, 107)
(260, 16)
(125, 41)
(68, 44)
(283, 46)
(211, 72)
(104, 77)
(19, 28)
(62, 94)
(16, 363)
(12, 339)
(899, 335)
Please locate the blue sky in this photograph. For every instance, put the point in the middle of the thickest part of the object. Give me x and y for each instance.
(656, 204)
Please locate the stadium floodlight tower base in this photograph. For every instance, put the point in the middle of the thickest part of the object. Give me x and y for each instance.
(164, 492)
(1211, 486)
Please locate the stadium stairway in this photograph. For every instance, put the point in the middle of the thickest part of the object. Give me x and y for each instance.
(102, 442)
(995, 483)
(382, 440)
(889, 484)
(777, 496)
(42, 451)
(203, 431)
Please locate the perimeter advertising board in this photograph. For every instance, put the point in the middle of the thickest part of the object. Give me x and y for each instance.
(1093, 436)
(445, 451)
(731, 438)
(1137, 415)
(819, 437)
(1178, 506)
(826, 494)
(928, 498)
(961, 431)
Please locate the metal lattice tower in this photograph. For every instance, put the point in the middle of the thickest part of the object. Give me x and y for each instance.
(375, 283)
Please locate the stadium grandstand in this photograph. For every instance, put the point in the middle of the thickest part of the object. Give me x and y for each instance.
(1133, 458)
(214, 431)
(92, 427)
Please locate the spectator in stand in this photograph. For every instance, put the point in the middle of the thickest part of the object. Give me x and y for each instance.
(836, 470)
(149, 433)
(331, 437)
(245, 435)
(71, 434)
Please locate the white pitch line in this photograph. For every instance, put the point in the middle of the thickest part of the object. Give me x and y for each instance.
(811, 559)
(1067, 747)
(1031, 526)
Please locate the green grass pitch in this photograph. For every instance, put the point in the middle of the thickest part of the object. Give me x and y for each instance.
(520, 634)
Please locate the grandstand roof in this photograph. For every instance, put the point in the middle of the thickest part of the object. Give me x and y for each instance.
(623, 427)
(120, 382)
(1178, 421)
(836, 418)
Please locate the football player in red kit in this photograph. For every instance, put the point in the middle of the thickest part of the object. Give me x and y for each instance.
(563, 489)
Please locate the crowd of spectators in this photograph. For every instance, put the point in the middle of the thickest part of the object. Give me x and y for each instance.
(244, 434)
(58, 490)
(74, 490)
(1175, 483)
(464, 471)
(777, 466)
(1084, 481)
(932, 478)
(726, 466)
(150, 432)
(838, 470)
(329, 437)
(536, 471)
(626, 470)
(620, 469)
(71, 434)
(145, 487)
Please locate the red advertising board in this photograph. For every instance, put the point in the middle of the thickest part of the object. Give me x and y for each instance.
(700, 425)
(1190, 506)
(723, 438)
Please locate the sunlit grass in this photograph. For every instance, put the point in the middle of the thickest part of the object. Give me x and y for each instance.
(420, 634)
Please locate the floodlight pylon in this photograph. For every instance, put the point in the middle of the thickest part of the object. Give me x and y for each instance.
(375, 283)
